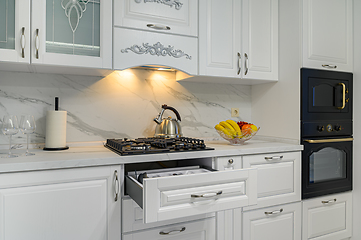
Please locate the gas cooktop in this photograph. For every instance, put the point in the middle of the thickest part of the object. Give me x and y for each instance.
(155, 145)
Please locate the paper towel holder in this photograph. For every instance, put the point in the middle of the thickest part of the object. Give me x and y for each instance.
(55, 148)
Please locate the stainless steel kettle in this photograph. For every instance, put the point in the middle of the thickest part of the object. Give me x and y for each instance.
(168, 127)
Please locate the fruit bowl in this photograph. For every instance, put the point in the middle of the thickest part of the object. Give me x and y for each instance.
(236, 140)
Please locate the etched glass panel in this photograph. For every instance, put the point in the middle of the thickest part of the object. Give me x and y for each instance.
(73, 27)
(7, 24)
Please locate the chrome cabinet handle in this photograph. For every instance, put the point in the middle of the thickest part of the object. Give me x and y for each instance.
(173, 231)
(329, 66)
(37, 43)
(22, 42)
(274, 212)
(246, 63)
(206, 195)
(274, 158)
(329, 201)
(158, 27)
(116, 185)
(239, 63)
(343, 96)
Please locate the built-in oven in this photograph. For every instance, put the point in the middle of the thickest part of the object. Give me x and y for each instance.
(326, 166)
(326, 132)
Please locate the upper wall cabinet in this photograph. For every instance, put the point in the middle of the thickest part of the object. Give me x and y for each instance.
(62, 33)
(15, 31)
(327, 34)
(76, 33)
(239, 45)
(168, 16)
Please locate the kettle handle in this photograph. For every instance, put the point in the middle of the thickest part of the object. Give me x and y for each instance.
(165, 106)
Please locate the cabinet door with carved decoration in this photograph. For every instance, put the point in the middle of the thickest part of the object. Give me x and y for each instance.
(166, 16)
(74, 33)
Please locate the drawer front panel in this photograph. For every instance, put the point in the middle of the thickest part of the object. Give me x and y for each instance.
(132, 217)
(180, 16)
(197, 230)
(328, 217)
(228, 163)
(166, 198)
(134, 48)
(279, 177)
(281, 222)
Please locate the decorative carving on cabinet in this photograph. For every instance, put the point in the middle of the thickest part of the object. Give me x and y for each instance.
(177, 5)
(157, 49)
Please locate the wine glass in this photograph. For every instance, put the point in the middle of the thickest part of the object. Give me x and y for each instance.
(10, 127)
(27, 126)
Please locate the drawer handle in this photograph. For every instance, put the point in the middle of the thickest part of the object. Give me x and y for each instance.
(274, 212)
(329, 201)
(158, 27)
(231, 161)
(22, 42)
(173, 231)
(329, 66)
(206, 195)
(116, 185)
(274, 158)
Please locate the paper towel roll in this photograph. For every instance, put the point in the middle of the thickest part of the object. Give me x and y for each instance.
(55, 135)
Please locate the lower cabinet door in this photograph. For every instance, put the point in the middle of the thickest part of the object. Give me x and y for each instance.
(281, 222)
(197, 230)
(328, 217)
(60, 204)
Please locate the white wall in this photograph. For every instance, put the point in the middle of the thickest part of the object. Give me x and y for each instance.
(120, 105)
(357, 123)
(275, 106)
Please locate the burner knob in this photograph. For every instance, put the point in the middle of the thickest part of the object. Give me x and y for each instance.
(320, 128)
(337, 128)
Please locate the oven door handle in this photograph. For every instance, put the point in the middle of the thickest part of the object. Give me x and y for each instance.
(329, 140)
(343, 96)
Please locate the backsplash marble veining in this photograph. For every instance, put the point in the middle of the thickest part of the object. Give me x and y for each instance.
(123, 104)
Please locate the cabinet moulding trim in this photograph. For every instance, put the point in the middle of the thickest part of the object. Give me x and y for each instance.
(157, 49)
(177, 5)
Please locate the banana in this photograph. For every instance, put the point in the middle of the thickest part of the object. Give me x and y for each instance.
(229, 128)
(224, 130)
(235, 127)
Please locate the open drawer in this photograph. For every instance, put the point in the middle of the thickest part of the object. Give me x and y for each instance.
(181, 192)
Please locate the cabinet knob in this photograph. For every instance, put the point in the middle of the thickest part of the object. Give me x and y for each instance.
(230, 161)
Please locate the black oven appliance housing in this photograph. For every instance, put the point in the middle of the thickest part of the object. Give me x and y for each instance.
(326, 132)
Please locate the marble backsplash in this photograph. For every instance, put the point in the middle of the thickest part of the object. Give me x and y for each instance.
(123, 104)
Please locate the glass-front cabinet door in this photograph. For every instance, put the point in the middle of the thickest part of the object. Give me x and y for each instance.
(15, 31)
(75, 33)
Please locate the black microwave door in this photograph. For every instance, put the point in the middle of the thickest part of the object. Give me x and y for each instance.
(325, 95)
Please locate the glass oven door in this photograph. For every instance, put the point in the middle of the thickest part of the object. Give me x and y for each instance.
(326, 166)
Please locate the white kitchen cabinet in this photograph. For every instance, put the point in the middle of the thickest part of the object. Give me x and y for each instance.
(134, 48)
(229, 224)
(204, 191)
(15, 31)
(260, 39)
(63, 204)
(175, 17)
(281, 222)
(72, 33)
(192, 230)
(220, 38)
(278, 177)
(328, 34)
(328, 217)
(239, 39)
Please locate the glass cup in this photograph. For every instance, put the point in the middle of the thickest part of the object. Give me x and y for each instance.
(27, 126)
(10, 127)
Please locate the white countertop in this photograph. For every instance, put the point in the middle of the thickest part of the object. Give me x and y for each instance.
(85, 156)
